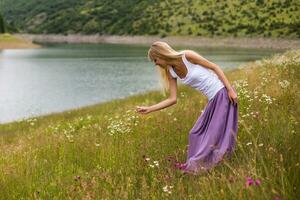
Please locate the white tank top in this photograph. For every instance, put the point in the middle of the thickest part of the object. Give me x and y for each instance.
(200, 78)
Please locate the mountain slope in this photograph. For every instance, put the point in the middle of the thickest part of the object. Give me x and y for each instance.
(154, 17)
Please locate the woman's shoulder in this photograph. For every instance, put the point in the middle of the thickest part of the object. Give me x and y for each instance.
(190, 53)
(192, 56)
(186, 51)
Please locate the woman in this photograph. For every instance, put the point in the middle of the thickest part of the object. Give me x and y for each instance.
(214, 133)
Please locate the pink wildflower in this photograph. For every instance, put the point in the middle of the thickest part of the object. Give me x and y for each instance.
(257, 182)
(249, 181)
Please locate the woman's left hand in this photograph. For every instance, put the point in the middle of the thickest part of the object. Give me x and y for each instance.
(232, 96)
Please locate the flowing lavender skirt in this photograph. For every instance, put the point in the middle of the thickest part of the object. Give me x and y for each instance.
(213, 135)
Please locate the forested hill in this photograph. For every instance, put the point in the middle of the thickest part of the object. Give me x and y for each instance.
(260, 18)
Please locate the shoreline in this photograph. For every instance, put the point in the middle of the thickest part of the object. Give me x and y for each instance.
(248, 66)
(17, 45)
(8, 41)
(266, 43)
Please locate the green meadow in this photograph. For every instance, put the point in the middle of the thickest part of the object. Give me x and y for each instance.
(108, 151)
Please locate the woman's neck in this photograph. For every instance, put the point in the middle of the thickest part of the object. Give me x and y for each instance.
(175, 64)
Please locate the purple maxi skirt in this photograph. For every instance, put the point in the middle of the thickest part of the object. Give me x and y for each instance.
(214, 134)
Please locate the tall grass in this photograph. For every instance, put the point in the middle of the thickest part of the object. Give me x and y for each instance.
(108, 151)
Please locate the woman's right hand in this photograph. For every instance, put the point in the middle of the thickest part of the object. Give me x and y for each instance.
(232, 96)
(143, 109)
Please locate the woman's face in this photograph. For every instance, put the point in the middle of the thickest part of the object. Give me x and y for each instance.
(160, 62)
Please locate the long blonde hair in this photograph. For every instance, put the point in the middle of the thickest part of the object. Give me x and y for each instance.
(164, 51)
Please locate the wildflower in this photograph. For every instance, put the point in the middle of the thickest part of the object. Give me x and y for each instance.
(32, 121)
(284, 83)
(249, 143)
(261, 144)
(267, 99)
(249, 181)
(97, 145)
(277, 198)
(122, 124)
(175, 119)
(257, 182)
(167, 189)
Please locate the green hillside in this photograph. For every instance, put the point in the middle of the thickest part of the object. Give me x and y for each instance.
(153, 17)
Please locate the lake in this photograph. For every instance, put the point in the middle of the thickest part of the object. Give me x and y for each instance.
(59, 77)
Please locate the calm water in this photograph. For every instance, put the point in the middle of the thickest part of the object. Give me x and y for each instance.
(59, 77)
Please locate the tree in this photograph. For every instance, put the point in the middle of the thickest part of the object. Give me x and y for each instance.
(2, 29)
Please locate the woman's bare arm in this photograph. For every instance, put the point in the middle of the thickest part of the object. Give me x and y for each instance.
(172, 98)
(165, 103)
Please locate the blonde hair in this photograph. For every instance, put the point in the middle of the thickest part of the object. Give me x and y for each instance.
(164, 51)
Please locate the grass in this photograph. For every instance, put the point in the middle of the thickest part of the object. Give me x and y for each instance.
(6, 37)
(8, 41)
(108, 151)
